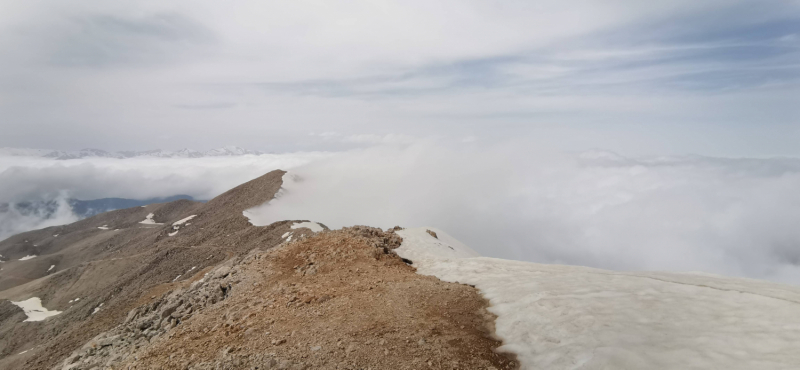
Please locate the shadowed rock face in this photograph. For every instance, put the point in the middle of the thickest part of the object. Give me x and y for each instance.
(114, 259)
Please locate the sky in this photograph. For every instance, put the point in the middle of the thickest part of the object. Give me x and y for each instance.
(622, 134)
(717, 77)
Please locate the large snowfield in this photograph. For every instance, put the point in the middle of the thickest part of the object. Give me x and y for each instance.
(569, 317)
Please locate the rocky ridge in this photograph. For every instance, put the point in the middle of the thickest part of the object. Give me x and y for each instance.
(191, 285)
(338, 299)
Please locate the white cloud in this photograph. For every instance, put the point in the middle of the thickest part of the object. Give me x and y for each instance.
(142, 74)
(596, 208)
(25, 178)
(13, 221)
(727, 216)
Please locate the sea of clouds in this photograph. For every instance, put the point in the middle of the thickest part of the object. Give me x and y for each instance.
(682, 213)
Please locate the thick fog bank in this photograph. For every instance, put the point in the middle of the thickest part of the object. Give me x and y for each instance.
(691, 213)
(36, 179)
(687, 213)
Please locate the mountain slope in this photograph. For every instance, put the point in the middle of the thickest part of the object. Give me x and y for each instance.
(186, 285)
(116, 258)
(339, 299)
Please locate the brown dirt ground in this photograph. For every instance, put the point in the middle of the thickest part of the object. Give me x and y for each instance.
(333, 301)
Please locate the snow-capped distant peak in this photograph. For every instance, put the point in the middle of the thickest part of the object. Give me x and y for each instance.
(99, 153)
(230, 151)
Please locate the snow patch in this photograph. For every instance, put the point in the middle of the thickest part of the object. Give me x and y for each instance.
(286, 234)
(570, 317)
(97, 309)
(104, 227)
(176, 278)
(34, 310)
(315, 227)
(182, 221)
(51, 268)
(149, 220)
(28, 257)
(173, 233)
(428, 247)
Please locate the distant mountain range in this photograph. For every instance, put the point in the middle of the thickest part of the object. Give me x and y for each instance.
(84, 208)
(227, 151)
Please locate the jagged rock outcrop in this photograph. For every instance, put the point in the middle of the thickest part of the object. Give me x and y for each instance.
(149, 321)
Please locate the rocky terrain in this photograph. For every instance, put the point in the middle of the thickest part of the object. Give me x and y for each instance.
(191, 285)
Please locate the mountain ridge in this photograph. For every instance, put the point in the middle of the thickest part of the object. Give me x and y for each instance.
(227, 151)
(189, 285)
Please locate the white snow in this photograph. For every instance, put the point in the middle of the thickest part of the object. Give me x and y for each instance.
(315, 227)
(193, 267)
(182, 221)
(173, 233)
(176, 278)
(51, 268)
(443, 247)
(149, 220)
(97, 309)
(34, 310)
(286, 234)
(104, 227)
(569, 317)
(23, 352)
(31, 256)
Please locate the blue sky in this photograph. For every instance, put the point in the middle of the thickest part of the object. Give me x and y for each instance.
(714, 78)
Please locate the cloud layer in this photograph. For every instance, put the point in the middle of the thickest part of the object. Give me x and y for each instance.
(26, 178)
(594, 208)
(726, 216)
(631, 76)
(13, 221)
